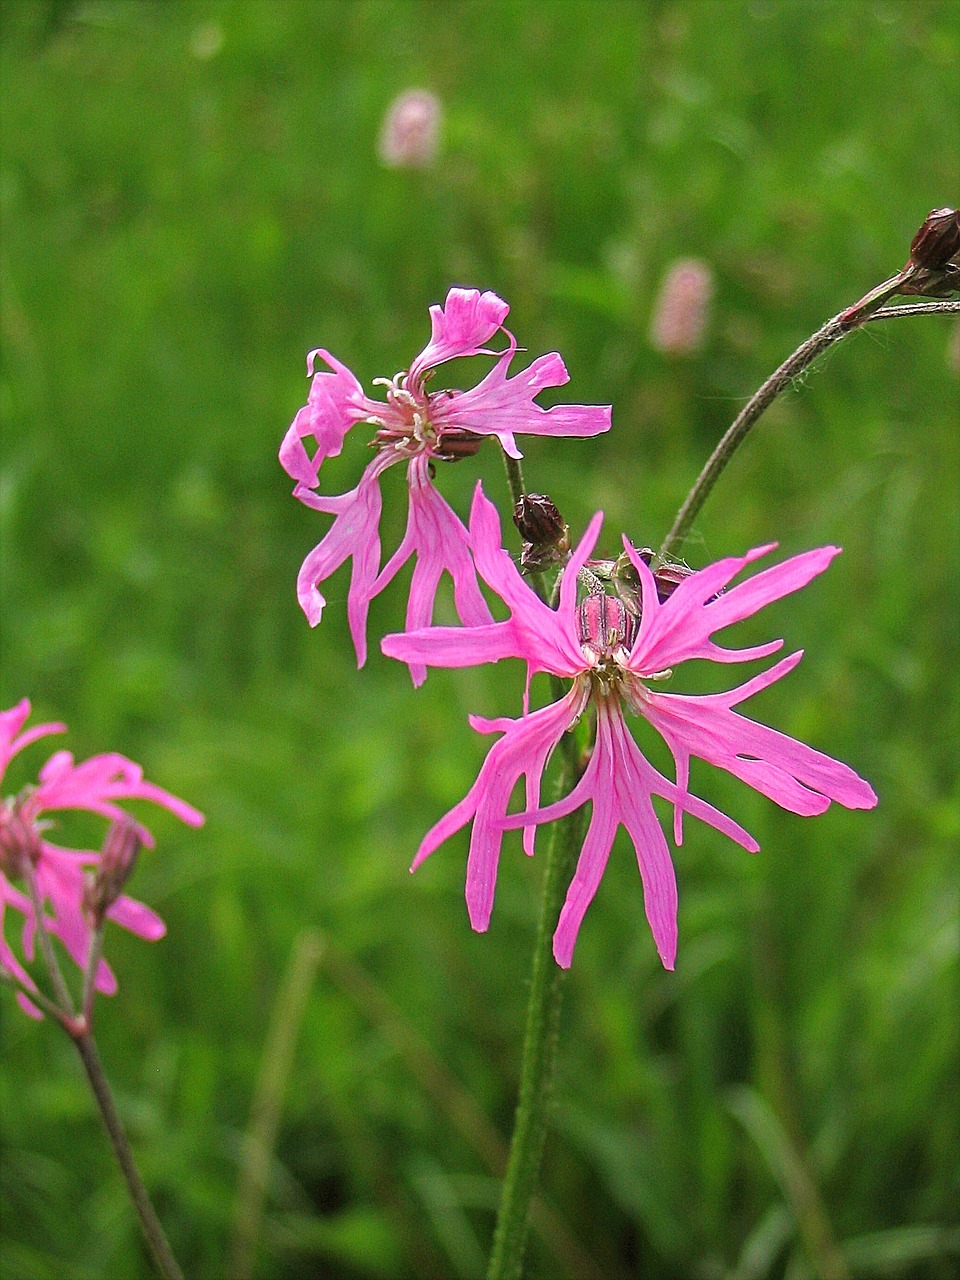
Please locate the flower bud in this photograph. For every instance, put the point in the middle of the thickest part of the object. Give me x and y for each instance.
(538, 520)
(545, 536)
(18, 840)
(938, 240)
(118, 857)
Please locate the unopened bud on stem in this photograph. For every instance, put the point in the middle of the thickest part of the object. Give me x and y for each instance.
(118, 857)
(545, 535)
(938, 240)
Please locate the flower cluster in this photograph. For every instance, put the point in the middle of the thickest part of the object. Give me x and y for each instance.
(63, 877)
(617, 633)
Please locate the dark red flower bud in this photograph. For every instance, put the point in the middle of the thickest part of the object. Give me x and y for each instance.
(545, 536)
(938, 240)
(667, 576)
(539, 521)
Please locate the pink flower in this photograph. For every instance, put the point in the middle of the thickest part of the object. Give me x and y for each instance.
(615, 660)
(410, 133)
(682, 308)
(95, 785)
(420, 428)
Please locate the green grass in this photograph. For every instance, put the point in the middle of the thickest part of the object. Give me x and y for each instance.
(178, 230)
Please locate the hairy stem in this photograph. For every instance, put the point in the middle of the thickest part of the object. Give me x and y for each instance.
(78, 1028)
(539, 1053)
(836, 328)
(153, 1232)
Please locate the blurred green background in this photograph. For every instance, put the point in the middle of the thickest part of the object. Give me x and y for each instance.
(191, 199)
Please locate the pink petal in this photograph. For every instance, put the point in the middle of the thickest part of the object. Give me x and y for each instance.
(466, 321)
(354, 533)
(790, 773)
(11, 722)
(680, 629)
(440, 542)
(501, 406)
(525, 748)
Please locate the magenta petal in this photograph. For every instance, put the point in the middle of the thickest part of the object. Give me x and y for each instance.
(502, 406)
(440, 542)
(524, 748)
(12, 741)
(354, 533)
(137, 918)
(586, 880)
(467, 320)
(653, 857)
(790, 773)
(681, 628)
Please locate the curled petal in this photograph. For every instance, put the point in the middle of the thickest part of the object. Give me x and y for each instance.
(12, 741)
(467, 320)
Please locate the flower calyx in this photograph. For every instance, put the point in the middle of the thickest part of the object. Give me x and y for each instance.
(546, 538)
(932, 269)
(118, 857)
(19, 840)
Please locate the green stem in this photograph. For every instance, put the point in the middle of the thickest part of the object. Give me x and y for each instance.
(539, 1051)
(836, 328)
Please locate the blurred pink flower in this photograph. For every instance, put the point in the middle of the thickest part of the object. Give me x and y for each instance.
(682, 308)
(410, 133)
(615, 661)
(420, 428)
(95, 786)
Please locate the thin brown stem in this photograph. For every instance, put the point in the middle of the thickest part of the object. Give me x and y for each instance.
(153, 1232)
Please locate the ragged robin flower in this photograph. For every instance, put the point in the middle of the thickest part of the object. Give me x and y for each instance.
(419, 427)
(62, 875)
(617, 661)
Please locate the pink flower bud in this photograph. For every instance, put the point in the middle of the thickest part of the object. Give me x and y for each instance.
(118, 857)
(410, 133)
(682, 308)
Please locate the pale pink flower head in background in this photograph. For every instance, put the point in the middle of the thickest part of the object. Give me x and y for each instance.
(410, 133)
(682, 308)
(96, 785)
(418, 427)
(616, 660)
